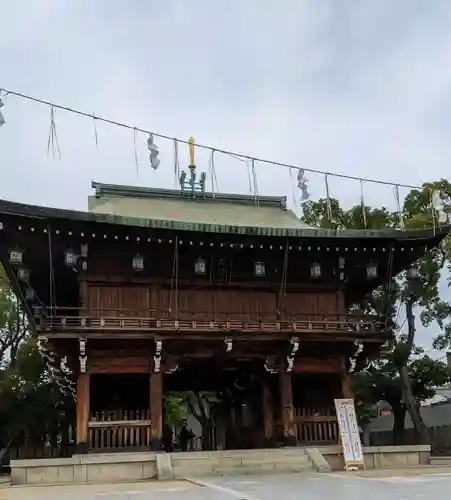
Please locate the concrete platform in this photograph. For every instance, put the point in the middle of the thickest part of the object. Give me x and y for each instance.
(370, 485)
(126, 467)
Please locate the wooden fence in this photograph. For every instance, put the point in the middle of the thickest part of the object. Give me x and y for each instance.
(120, 430)
(314, 425)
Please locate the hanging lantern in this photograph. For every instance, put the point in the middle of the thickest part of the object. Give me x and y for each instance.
(70, 258)
(259, 269)
(138, 262)
(29, 293)
(341, 262)
(315, 270)
(412, 273)
(15, 257)
(23, 274)
(200, 266)
(371, 271)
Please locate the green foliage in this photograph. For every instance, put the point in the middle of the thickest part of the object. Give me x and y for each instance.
(381, 380)
(174, 409)
(32, 408)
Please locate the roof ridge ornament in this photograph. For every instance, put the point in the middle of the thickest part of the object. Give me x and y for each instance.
(192, 185)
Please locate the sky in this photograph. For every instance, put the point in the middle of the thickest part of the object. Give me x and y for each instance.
(360, 88)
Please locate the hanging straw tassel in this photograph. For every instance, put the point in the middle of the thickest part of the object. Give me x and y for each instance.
(293, 191)
(96, 136)
(135, 149)
(212, 173)
(398, 207)
(176, 163)
(52, 142)
(254, 178)
(328, 205)
(362, 203)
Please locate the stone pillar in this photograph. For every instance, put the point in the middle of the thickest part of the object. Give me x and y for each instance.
(82, 409)
(268, 413)
(287, 412)
(156, 410)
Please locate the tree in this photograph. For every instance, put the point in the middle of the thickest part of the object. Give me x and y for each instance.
(403, 293)
(380, 381)
(13, 323)
(32, 408)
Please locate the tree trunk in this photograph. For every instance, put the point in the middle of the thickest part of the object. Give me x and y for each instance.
(412, 408)
(399, 416)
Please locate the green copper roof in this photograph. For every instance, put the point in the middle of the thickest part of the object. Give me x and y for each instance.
(210, 213)
(265, 214)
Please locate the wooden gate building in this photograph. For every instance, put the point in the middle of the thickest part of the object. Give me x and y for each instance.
(157, 291)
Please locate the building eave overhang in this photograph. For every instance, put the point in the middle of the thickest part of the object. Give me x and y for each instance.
(25, 211)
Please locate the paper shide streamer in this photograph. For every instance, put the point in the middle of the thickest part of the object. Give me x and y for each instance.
(153, 152)
(303, 185)
(2, 118)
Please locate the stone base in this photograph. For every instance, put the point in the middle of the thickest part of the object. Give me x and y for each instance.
(81, 448)
(156, 444)
(290, 441)
(126, 467)
(381, 457)
(94, 468)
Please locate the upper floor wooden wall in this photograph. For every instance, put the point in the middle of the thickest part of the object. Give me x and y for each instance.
(208, 303)
(168, 285)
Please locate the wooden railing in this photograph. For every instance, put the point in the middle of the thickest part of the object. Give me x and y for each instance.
(315, 425)
(118, 320)
(120, 430)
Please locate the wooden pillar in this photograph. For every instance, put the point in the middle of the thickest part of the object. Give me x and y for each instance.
(268, 413)
(287, 412)
(82, 408)
(156, 410)
(346, 382)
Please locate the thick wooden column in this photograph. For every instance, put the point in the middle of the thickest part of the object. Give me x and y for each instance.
(347, 391)
(156, 410)
(82, 408)
(287, 412)
(268, 413)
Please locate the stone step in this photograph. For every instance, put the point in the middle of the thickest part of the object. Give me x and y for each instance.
(263, 468)
(244, 462)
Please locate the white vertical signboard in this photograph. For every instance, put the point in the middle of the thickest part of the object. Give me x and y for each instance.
(349, 434)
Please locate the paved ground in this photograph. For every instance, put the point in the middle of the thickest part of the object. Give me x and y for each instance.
(377, 485)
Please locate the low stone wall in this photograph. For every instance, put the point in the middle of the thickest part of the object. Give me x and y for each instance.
(102, 468)
(140, 466)
(381, 457)
(228, 462)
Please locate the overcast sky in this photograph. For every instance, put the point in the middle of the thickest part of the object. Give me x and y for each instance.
(357, 87)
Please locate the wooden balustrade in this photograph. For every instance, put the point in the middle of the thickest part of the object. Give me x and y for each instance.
(120, 429)
(116, 320)
(315, 425)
